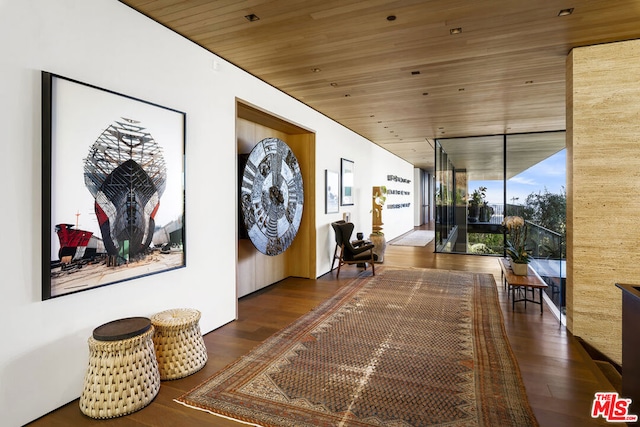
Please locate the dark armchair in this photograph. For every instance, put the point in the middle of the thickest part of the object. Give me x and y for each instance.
(351, 252)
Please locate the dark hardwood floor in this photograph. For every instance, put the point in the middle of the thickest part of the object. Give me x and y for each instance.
(559, 376)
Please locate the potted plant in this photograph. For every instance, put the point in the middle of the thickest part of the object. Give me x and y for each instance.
(515, 244)
(486, 212)
(377, 236)
(476, 200)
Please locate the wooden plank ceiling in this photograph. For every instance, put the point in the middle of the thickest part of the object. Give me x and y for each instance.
(393, 72)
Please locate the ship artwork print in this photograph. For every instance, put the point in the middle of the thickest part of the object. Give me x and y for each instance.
(113, 187)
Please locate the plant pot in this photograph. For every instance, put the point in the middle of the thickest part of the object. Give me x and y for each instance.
(380, 244)
(473, 213)
(486, 212)
(519, 269)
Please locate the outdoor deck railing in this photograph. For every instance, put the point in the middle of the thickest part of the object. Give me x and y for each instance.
(549, 261)
(547, 250)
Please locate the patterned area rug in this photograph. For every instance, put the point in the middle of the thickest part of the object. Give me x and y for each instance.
(414, 238)
(407, 347)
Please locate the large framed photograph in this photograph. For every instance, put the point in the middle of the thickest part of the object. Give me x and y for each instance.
(332, 198)
(113, 190)
(346, 182)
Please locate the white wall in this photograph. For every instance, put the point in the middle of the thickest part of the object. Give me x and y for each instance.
(418, 212)
(372, 164)
(104, 43)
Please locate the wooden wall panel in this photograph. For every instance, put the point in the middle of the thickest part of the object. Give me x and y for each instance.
(603, 135)
(302, 255)
(256, 270)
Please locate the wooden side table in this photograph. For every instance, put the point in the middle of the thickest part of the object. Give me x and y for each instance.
(512, 281)
(179, 345)
(122, 376)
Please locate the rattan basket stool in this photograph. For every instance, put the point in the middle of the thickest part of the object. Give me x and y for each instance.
(179, 345)
(123, 375)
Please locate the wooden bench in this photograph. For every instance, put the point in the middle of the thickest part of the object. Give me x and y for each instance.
(530, 282)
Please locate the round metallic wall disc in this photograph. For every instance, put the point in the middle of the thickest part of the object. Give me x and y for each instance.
(271, 196)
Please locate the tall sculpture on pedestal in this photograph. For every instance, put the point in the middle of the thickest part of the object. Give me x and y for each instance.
(377, 236)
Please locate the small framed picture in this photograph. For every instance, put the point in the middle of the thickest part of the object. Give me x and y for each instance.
(332, 198)
(346, 182)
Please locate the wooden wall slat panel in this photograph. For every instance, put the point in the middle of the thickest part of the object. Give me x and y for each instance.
(256, 270)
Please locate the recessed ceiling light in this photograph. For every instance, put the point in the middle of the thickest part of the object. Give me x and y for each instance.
(455, 30)
(252, 17)
(565, 12)
(315, 70)
(391, 18)
(334, 84)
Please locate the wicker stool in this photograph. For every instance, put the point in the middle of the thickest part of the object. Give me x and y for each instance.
(122, 376)
(178, 342)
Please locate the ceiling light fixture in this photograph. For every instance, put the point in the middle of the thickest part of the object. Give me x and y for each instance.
(252, 17)
(315, 70)
(565, 12)
(455, 30)
(334, 84)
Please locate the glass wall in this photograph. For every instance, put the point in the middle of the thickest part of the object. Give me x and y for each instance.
(444, 223)
(483, 179)
(477, 165)
(536, 191)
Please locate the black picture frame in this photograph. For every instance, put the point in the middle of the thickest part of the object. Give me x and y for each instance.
(113, 187)
(331, 188)
(346, 182)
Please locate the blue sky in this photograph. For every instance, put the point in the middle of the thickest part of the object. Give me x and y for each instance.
(549, 174)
